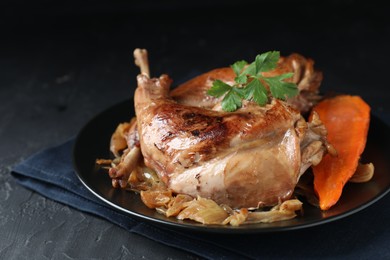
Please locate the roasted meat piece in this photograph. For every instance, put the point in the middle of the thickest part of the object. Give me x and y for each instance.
(245, 159)
(248, 158)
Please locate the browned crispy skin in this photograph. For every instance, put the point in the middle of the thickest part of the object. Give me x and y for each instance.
(194, 91)
(244, 159)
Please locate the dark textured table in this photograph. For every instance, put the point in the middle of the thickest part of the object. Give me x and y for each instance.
(62, 64)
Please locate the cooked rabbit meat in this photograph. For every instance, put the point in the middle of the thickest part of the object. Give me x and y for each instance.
(308, 80)
(246, 158)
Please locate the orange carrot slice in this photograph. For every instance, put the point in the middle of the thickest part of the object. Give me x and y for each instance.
(347, 120)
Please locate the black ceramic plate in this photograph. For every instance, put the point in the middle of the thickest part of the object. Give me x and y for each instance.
(93, 142)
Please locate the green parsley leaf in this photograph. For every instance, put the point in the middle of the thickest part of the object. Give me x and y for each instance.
(238, 66)
(266, 61)
(256, 91)
(218, 88)
(249, 83)
(232, 100)
(250, 70)
(281, 89)
(241, 79)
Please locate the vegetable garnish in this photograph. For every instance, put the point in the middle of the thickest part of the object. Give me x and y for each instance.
(251, 84)
(347, 120)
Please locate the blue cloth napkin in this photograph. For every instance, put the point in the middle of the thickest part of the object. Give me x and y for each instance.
(363, 235)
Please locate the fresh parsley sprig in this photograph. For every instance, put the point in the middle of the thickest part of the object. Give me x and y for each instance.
(249, 83)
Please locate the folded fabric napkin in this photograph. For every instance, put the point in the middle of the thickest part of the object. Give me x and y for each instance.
(361, 235)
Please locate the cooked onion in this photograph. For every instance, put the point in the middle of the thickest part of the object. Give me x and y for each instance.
(364, 173)
(205, 211)
(284, 211)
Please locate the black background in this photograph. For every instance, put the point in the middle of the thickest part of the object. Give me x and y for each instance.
(63, 62)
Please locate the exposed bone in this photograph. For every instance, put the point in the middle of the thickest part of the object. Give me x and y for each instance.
(141, 60)
(129, 160)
